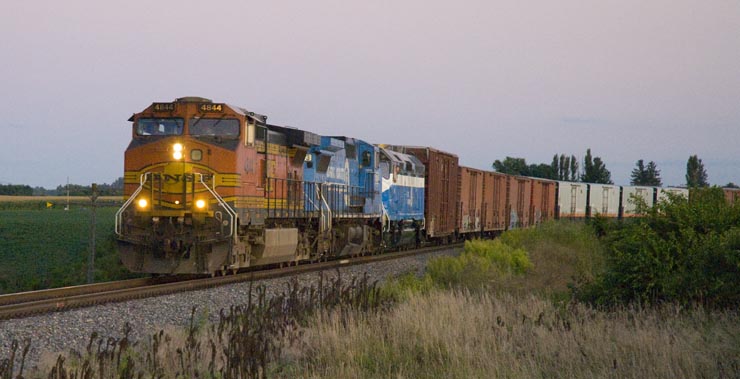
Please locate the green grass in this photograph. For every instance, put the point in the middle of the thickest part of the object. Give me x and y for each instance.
(50, 248)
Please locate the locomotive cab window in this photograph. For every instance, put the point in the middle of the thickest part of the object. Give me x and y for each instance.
(214, 127)
(261, 133)
(159, 126)
(366, 159)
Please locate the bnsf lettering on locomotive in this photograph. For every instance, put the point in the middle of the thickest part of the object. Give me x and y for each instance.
(176, 178)
(171, 178)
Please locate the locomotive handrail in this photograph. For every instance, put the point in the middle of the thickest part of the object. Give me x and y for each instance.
(119, 213)
(326, 222)
(232, 213)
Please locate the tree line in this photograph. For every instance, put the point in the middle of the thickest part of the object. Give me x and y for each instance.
(105, 189)
(563, 167)
(593, 170)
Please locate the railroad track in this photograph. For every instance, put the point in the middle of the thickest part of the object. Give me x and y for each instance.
(59, 299)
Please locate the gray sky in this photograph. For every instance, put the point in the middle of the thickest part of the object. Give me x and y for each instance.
(655, 80)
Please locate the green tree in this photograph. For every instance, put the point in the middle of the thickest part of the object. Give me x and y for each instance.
(541, 171)
(730, 185)
(573, 168)
(16, 190)
(512, 166)
(696, 175)
(564, 167)
(646, 175)
(594, 170)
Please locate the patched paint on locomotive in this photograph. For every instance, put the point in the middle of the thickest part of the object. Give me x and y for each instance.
(403, 197)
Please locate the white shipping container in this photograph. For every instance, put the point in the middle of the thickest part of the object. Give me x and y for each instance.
(628, 202)
(676, 191)
(572, 199)
(604, 200)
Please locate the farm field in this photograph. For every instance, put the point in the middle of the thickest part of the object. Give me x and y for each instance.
(45, 248)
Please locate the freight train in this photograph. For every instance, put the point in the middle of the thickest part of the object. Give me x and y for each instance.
(213, 188)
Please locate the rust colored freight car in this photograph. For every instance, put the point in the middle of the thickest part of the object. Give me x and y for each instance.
(542, 206)
(519, 198)
(440, 188)
(494, 201)
(732, 195)
(470, 201)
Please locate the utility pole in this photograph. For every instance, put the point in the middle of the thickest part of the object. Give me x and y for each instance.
(91, 261)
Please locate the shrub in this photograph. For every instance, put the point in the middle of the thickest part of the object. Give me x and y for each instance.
(682, 251)
(400, 288)
(503, 256)
(480, 263)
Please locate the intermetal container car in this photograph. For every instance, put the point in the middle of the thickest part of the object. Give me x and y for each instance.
(519, 199)
(470, 203)
(661, 194)
(440, 192)
(494, 201)
(542, 207)
(629, 201)
(732, 195)
(603, 200)
(571, 199)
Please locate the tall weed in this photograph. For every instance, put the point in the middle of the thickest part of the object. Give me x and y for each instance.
(458, 334)
(247, 341)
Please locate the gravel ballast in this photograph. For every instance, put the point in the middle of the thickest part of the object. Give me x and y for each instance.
(62, 331)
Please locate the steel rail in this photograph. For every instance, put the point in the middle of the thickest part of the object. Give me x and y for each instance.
(59, 299)
(84, 289)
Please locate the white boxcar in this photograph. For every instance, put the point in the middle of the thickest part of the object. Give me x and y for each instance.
(676, 191)
(572, 199)
(629, 205)
(604, 200)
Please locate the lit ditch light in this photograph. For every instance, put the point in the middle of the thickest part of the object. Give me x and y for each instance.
(200, 204)
(142, 203)
(177, 154)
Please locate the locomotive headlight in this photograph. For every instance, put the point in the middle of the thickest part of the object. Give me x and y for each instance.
(142, 203)
(200, 204)
(177, 151)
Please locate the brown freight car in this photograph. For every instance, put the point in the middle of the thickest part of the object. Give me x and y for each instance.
(732, 195)
(519, 195)
(542, 206)
(494, 202)
(440, 188)
(470, 201)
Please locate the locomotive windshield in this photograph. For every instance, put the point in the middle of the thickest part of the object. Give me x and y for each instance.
(214, 127)
(159, 126)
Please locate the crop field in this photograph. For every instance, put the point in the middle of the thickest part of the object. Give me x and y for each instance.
(49, 247)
